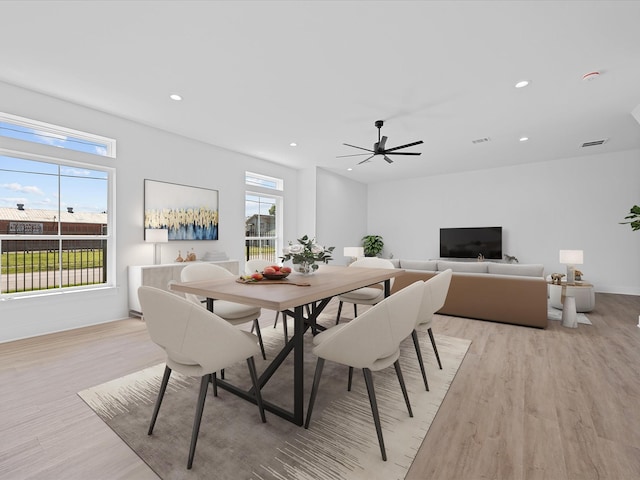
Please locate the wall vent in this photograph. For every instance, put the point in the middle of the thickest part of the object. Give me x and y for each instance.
(594, 143)
(481, 140)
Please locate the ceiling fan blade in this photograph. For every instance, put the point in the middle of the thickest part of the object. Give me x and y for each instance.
(405, 146)
(402, 153)
(387, 159)
(354, 155)
(366, 160)
(361, 148)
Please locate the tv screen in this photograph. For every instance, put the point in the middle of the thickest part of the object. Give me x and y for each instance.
(471, 242)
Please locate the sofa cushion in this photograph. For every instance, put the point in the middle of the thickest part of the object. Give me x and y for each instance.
(526, 270)
(430, 265)
(471, 267)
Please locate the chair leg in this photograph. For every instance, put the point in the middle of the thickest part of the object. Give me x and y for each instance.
(435, 349)
(350, 379)
(254, 380)
(214, 381)
(314, 390)
(339, 310)
(163, 388)
(276, 321)
(257, 326)
(403, 387)
(355, 310)
(204, 384)
(368, 379)
(416, 344)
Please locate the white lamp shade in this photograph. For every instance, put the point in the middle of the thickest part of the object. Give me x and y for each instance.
(156, 235)
(354, 252)
(571, 257)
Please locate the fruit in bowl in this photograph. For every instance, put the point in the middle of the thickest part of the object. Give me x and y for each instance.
(274, 272)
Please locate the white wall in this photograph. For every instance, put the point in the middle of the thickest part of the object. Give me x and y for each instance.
(574, 203)
(341, 213)
(143, 152)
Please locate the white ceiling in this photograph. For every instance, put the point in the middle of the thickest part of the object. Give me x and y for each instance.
(256, 76)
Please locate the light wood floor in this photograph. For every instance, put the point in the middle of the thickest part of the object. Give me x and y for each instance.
(526, 404)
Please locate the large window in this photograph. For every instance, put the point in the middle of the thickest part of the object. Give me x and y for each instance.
(262, 218)
(54, 223)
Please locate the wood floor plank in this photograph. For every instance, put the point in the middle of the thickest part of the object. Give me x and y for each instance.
(526, 404)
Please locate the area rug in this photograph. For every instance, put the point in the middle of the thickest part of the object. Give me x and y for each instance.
(556, 315)
(341, 442)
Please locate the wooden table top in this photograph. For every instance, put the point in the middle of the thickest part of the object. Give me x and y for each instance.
(326, 282)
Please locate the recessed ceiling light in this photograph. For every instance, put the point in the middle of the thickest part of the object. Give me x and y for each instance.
(349, 169)
(522, 83)
(293, 144)
(524, 139)
(175, 96)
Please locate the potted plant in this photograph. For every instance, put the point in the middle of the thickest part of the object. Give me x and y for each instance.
(633, 217)
(372, 244)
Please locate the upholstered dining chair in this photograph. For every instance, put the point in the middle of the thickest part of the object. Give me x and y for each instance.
(258, 265)
(234, 313)
(383, 327)
(435, 294)
(365, 295)
(198, 343)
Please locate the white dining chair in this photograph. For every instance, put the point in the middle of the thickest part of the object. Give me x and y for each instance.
(435, 295)
(366, 295)
(370, 342)
(232, 312)
(197, 343)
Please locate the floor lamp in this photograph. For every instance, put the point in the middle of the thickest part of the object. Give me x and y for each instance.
(571, 258)
(156, 236)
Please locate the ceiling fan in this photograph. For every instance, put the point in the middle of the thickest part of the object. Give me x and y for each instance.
(378, 148)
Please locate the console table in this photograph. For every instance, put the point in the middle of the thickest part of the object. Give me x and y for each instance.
(160, 276)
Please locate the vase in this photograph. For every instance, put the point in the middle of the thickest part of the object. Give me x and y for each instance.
(305, 268)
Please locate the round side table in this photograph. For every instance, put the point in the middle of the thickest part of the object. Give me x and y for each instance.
(582, 292)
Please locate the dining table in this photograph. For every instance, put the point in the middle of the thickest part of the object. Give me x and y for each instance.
(303, 297)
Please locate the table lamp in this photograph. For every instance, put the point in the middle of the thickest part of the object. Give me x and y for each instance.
(156, 236)
(353, 253)
(571, 258)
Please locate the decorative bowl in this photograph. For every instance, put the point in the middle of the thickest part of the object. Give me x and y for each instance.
(276, 276)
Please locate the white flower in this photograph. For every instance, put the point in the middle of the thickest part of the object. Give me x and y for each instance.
(296, 248)
(316, 249)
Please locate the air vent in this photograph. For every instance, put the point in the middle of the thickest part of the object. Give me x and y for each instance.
(594, 143)
(481, 140)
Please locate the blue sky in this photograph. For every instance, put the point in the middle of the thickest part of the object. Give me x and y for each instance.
(36, 185)
(41, 185)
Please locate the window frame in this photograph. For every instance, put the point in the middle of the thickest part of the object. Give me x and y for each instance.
(55, 130)
(109, 237)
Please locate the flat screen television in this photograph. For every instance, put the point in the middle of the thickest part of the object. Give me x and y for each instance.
(471, 242)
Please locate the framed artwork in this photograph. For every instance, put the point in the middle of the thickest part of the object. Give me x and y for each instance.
(188, 213)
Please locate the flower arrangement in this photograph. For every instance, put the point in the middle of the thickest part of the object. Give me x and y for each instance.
(306, 253)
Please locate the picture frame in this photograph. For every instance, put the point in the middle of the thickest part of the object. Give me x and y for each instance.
(187, 212)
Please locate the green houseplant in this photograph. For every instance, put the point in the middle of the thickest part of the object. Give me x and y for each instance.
(372, 244)
(633, 217)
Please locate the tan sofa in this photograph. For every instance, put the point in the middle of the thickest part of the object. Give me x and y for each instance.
(507, 293)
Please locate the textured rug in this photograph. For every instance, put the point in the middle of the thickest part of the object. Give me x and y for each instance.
(556, 315)
(341, 442)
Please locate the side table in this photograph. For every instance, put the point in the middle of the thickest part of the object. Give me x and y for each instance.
(582, 292)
